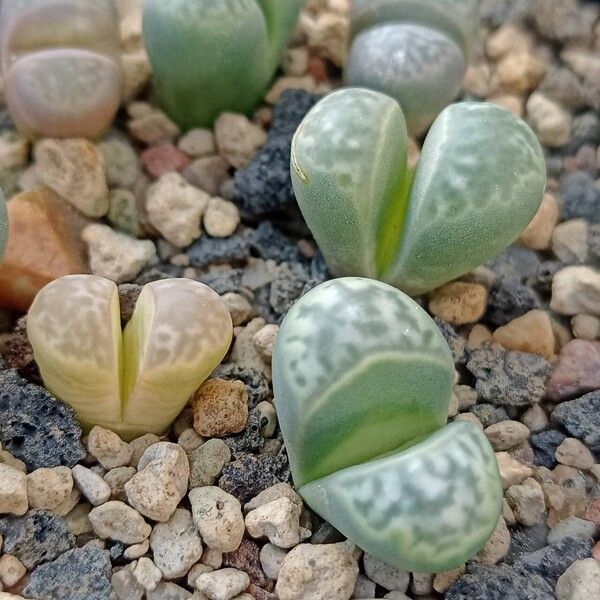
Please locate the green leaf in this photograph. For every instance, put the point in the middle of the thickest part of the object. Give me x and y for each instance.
(479, 182)
(210, 56)
(359, 369)
(428, 508)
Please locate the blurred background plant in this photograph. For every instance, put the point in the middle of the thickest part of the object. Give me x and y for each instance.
(61, 64)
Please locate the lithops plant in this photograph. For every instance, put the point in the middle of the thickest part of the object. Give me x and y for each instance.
(210, 56)
(3, 224)
(362, 379)
(60, 60)
(413, 50)
(134, 381)
(478, 183)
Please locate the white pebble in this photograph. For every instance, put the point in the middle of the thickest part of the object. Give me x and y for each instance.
(13, 491)
(116, 520)
(108, 448)
(278, 520)
(91, 485)
(223, 584)
(218, 516)
(48, 488)
(176, 545)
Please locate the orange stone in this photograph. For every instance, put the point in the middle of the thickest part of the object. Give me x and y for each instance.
(43, 244)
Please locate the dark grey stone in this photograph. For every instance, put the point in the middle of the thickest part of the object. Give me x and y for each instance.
(287, 286)
(563, 86)
(509, 299)
(457, 343)
(37, 537)
(552, 561)
(35, 427)
(581, 418)
(524, 540)
(515, 262)
(542, 281)
(498, 12)
(508, 378)
(489, 414)
(544, 445)
(158, 272)
(501, 582)
(223, 281)
(580, 198)
(270, 243)
(79, 574)
(586, 130)
(265, 185)
(249, 475)
(250, 440)
(208, 250)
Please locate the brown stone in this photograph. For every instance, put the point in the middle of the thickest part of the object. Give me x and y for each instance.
(43, 244)
(459, 302)
(166, 158)
(531, 332)
(247, 558)
(576, 372)
(538, 234)
(220, 407)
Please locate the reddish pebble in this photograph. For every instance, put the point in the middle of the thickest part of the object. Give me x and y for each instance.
(318, 69)
(162, 159)
(593, 512)
(247, 558)
(576, 372)
(260, 594)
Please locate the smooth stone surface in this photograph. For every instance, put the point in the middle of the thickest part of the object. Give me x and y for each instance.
(576, 372)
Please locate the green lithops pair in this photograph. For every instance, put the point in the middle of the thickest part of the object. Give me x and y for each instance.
(134, 381)
(362, 379)
(478, 183)
(413, 50)
(3, 224)
(210, 56)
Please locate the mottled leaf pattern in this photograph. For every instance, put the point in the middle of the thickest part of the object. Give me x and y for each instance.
(362, 379)
(478, 183)
(136, 382)
(427, 509)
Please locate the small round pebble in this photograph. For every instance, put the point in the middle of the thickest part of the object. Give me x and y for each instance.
(218, 517)
(220, 407)
(116, 520)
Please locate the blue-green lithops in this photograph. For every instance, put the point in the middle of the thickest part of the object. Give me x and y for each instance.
(478, 183)
(362, 379)
(210, 56)
(414, 50)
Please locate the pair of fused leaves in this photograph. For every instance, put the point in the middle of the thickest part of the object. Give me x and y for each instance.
(134, 381)
(362, 379)
(3, 224)
(478, 183)
(413, 50)
(210, 56)
(61, 64)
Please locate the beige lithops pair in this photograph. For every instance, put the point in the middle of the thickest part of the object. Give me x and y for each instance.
(134, 381)
(61, 64)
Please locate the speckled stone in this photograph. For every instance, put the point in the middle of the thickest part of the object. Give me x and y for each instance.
(35, 427)
(37, 537)
(79, 574)
(581, 418)
(508, 378)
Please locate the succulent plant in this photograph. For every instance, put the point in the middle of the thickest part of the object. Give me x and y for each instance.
(362, 379)
(3, 224)
(210, 56)
(478, 183)
(134, 381)
(413, 50)
(60, 60)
